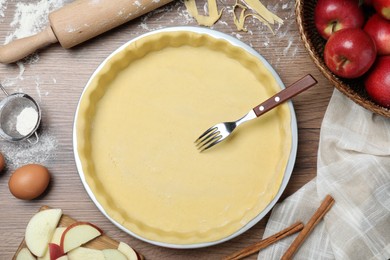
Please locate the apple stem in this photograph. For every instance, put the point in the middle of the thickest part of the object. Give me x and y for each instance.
(334, 24)
(343, 61)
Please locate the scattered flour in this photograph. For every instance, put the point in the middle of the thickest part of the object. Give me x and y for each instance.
(237, 35)
(3, 6)
(181, 17)
(282, 40)
(31, 18)
(22, 153)
(287, 47)
(137, 3)
(28, 18)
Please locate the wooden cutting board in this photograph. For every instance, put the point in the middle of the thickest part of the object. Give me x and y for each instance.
(101, 242)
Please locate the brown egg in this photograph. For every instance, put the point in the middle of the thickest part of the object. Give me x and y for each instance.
(29, 181)
(2, 162)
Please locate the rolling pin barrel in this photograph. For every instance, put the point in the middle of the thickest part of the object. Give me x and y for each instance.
(78, 22)
(82, 20)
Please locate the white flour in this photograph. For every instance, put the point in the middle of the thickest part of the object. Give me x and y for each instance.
(3, 6)
(29, 17)
(22, 153)
(286, 43)
(182, 17)
(26, 121)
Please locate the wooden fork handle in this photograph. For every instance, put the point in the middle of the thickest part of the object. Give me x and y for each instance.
(299, 86)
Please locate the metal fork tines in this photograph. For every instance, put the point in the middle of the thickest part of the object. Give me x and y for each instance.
(221, 131)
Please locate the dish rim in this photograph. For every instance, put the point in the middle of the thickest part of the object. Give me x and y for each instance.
(289, 166)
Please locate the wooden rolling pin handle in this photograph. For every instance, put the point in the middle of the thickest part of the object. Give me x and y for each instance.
(21, 48)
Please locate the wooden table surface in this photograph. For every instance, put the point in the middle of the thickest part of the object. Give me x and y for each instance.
(55, 77)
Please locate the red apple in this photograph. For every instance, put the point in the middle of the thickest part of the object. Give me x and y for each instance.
(349, 53)
(379, 30)
(382, 7)
(377, 82)
(333, 15)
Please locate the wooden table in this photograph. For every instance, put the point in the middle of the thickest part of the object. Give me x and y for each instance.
(57, 79)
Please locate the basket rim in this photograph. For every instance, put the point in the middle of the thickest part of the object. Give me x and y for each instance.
(336, 81)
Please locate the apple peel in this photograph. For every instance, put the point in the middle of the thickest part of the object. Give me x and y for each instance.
(56, 238)
(78, 234)
(55, 251)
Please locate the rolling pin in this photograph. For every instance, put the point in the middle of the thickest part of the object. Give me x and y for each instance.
(78, 22)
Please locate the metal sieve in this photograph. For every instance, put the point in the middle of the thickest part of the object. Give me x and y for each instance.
(20, 117)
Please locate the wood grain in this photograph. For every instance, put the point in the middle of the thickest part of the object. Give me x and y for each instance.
(57, 79)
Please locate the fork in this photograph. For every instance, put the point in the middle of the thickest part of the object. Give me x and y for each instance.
(221, 131)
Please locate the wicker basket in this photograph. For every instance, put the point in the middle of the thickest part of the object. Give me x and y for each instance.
(314, 43)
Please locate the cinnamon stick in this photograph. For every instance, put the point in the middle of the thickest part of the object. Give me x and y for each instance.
(315, 219)
(265, 242)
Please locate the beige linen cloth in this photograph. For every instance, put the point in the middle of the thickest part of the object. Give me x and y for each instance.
(354, 167)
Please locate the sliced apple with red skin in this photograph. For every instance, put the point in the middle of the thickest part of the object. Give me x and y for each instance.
(127, 251)
(78, 234)
(113, 254)
(83, 253)
(55, 240)
(40, 230)
(55, 251)
(25, 254)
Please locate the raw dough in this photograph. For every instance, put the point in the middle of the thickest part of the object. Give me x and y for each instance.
(206, 20)
(260, 12)
(137, 124)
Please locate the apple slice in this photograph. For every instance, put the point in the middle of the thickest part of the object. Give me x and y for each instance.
(56, 239)
(127, 251)
(64, 257)
(40, 230)
(83, 253)
(113, 254)
(55, 251)
(78, 234)
(25, 254)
